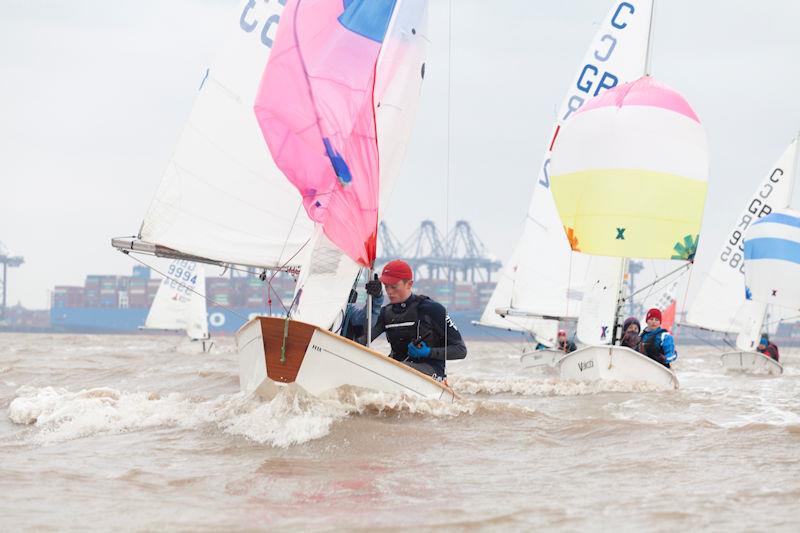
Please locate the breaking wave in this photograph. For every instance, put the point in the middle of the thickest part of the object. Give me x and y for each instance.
(546, 387)
(291, 417)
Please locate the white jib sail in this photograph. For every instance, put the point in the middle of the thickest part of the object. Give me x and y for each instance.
(543, 330)
(177, 305)
(599, 305)
(720, 303)
(547, 275)
(222, 197)
(327, 274)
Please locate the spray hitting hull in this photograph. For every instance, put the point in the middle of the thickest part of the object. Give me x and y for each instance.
(750, 363)
(273, 353)
(615, 363)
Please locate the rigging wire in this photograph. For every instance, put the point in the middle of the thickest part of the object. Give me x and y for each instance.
(449, 147)
(187, 287)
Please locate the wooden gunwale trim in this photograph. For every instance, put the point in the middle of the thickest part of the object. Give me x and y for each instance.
(361, 347)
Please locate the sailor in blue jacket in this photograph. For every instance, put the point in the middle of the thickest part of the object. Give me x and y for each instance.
(656, 342)
(354, 325)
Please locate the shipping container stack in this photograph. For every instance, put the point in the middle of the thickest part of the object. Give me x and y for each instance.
(137, 292)
(108, 292)
(68, 296)
(485, 290)
(91, 292)
(465, 297)
(218, 290)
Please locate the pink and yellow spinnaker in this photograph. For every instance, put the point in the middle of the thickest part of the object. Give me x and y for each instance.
(629, 173)
(316, 110)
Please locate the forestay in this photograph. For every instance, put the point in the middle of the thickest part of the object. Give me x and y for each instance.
(546, 277)
(221, 196)
(772, 257)
(720, 304)
(629, 173)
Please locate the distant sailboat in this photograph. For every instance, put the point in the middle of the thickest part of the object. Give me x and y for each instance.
(179, 305)
(721, 303)
(544, 280)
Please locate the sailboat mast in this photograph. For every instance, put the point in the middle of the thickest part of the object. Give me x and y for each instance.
(647, 59)
(620, 301)
(624, 266)
(369, 311)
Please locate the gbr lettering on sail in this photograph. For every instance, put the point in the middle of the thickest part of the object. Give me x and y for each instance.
(760, 205)
(604, 66)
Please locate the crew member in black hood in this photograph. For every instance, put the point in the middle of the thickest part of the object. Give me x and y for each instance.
(419, 330)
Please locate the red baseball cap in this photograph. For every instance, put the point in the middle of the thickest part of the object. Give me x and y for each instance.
(395, 271)
(654, 313)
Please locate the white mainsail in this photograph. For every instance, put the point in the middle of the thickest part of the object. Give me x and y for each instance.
(720, 304)
(327, 274)
(179, 304)
(546, 277)
(222, 197)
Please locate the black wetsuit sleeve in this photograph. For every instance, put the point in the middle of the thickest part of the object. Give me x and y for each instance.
(439, 320)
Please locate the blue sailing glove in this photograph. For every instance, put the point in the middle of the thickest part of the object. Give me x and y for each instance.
(419, 350)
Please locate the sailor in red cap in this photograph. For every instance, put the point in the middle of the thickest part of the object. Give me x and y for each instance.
(419, 330)
(656, 342)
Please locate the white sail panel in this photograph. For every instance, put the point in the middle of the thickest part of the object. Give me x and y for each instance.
(398, 83)
(543, 330)
(177, 305)
(772, 258)
(720, 303)
(222, 197)
(599, 305)
(546, 268)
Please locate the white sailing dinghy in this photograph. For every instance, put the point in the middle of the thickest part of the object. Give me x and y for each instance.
(772, 264)
(224, 201)
(563, 283)
(336, 106)
(721, 303)
(619, 164)
(544, 280)
(178, 305)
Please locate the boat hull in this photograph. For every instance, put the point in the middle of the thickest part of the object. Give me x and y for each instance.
(615, 363)
(545, 359)
(274, 352)
(751, 363)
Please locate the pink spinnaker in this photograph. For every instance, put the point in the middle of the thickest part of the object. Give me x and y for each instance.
(315, 107)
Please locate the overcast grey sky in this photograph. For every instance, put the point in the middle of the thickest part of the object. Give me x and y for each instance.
(94, 95)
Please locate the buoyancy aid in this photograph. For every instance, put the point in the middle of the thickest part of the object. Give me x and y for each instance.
(403, 324)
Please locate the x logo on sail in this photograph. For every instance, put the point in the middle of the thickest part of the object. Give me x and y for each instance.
(620, 234)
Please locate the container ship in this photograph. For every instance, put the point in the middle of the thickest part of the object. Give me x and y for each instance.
(119, 304)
